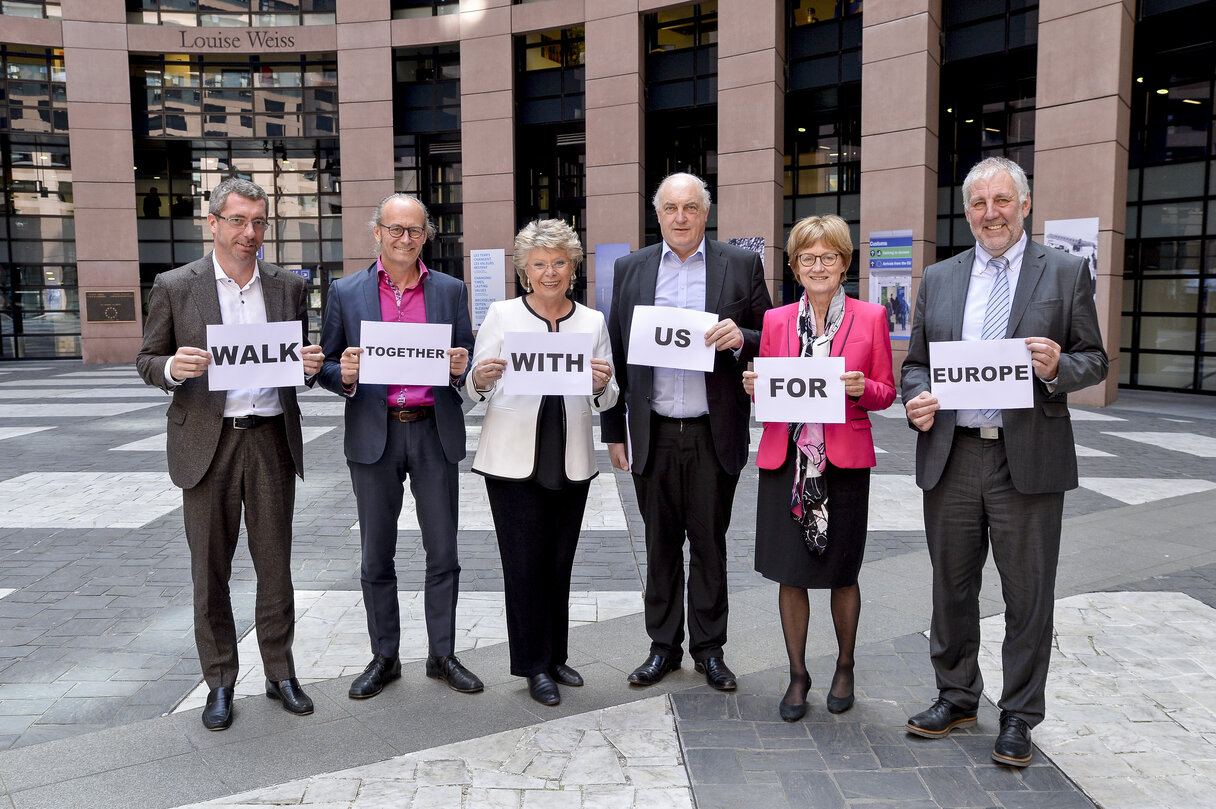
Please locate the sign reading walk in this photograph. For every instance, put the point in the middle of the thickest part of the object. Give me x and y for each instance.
(255, 355)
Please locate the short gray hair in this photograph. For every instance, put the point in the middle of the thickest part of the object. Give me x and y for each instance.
(656, 201)
(240, 187)
(376, 220)
(988, 168)
(550, 234)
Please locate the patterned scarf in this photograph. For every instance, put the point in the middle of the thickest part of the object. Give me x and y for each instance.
(809, 499)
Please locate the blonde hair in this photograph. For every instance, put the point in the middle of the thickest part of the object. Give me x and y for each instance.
(550, 234)
(831, 230)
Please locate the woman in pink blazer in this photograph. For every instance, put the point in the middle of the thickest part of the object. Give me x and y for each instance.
(814, 487)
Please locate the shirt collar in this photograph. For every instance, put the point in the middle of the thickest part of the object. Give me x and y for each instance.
(1013, 255)
(220, 275)
(667, 251)
(382, 273)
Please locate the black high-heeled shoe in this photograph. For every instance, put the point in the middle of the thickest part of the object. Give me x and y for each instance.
(841, 704)
(792, 713)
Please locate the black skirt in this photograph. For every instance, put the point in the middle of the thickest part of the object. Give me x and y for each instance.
(783, 557)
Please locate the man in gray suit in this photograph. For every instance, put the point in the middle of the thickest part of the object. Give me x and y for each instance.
(399, 431)
(226, 448)
(998, 476)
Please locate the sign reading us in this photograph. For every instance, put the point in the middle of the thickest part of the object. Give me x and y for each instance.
(245, 40)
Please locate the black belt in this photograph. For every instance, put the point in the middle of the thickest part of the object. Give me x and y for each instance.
(249, 422)
(985, 433)
(407, 414)
(682, 423)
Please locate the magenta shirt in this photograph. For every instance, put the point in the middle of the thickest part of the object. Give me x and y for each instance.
(404, 306)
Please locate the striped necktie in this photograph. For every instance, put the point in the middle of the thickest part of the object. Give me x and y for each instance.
(996, 316)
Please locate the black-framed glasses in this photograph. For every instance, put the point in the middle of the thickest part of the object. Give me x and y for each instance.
(240, 222)
(397, 231)
(808, 260)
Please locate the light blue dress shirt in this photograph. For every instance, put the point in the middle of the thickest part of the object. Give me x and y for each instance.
(680, 394)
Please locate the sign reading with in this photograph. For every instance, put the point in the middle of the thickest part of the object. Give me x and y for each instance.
(547, 363)
(404, 353)
(670, 337)
(255, 355)
(800, 389)
(981, 374)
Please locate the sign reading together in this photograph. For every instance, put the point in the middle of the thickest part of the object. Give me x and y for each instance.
(404, 353)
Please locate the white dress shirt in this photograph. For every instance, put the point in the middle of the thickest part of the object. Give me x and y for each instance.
(978, 290)
(677, 393)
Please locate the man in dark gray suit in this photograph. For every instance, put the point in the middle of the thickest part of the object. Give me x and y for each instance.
(998, 476)
(688, 429)
(226, 448)
(395, 431)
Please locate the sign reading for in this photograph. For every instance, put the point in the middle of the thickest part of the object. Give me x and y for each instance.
(981, 374)
(800, 389)
(255, 355)
(670, 337)
(547, 363)
(404, 353)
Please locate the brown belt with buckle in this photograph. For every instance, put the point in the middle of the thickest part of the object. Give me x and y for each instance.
(407, 414)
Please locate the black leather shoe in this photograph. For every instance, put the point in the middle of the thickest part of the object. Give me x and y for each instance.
(543, 689)
(717, 674)
(566, 675)
(939, 719)
(455, 675)
(373, 679)
(653, 669)
(292, 696)
(218, 713)
(1013, 743)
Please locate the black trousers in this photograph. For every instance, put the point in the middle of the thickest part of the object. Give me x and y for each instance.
(975, 505)
(537, 531)
(253, 468)
(685, 492)
(412, 450)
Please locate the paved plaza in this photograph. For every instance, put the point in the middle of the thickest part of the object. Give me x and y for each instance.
(100, 688)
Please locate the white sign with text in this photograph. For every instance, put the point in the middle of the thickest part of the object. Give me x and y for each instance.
(670, 337)
(255, 355)
(404, 353)
(800, 389)
(981, 374)
(547, 363)
(488, 281)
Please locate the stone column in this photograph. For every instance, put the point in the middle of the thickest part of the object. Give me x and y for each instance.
(487, 129)
(751, 126)
(103, 173)
(900, 84)
(365, 115)
(1082, 121)
(616, 125)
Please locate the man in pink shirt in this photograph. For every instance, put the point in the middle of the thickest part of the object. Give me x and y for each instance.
(395, 431)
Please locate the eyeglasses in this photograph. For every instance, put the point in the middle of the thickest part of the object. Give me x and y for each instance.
(240, 222)
(540, 266)
(808, 260)
(397, 231)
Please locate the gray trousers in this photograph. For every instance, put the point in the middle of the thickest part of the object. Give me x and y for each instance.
(975, 505)
(411, 449)
(253, 468)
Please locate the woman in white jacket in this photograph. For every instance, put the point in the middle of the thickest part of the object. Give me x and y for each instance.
(537, 455)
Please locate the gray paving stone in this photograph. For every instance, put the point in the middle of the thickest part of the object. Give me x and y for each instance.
(817, 789)
(712, 766)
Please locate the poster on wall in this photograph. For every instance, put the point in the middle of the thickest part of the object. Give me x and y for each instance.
(890, 264)
(605, 271)
(752, 243)
(489, 281)
(1077, 237)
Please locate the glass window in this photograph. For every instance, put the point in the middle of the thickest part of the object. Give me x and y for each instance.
(231, 13)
